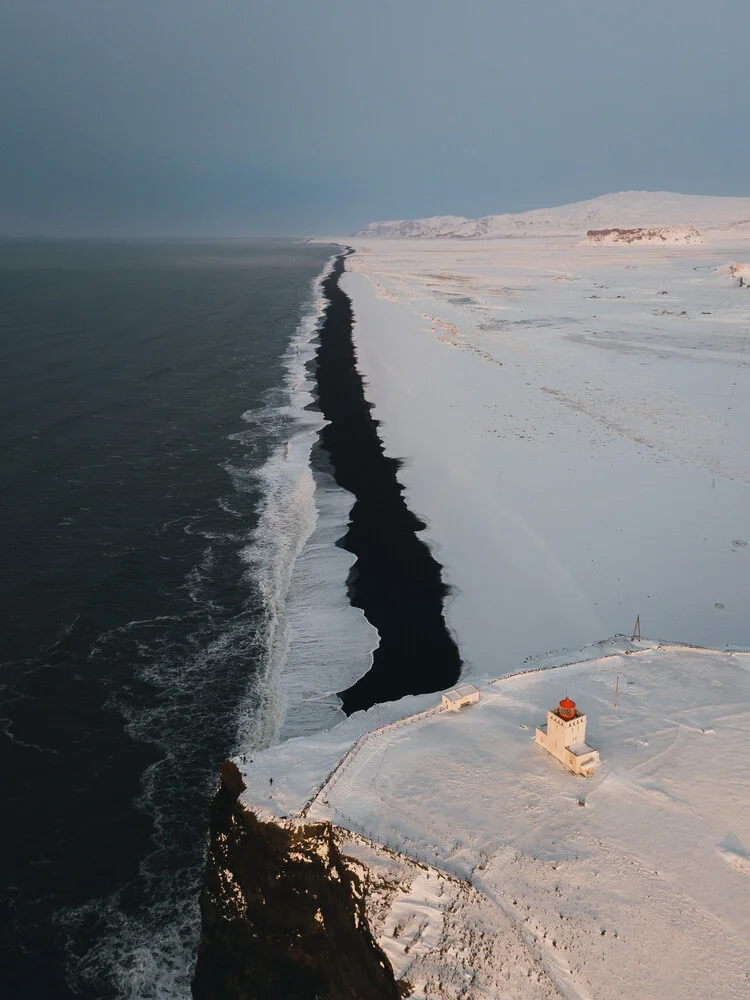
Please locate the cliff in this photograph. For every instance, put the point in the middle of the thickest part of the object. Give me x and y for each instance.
(283, 915)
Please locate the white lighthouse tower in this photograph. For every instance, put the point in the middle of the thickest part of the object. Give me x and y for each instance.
(564, 737)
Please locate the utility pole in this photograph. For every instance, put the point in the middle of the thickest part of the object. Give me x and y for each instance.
(617, 692)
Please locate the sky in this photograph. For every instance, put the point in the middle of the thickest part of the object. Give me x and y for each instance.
(241, 117)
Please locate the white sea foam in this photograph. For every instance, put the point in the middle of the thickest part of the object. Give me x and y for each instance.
(330, 642)
(308, 643)
(315, 642)
(144, 958)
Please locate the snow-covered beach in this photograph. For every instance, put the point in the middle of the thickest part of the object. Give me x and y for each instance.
(574, 422)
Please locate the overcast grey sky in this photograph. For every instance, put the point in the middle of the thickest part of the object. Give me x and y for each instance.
(248, 116)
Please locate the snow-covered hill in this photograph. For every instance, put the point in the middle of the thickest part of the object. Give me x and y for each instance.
(627, 209)
(437, 225)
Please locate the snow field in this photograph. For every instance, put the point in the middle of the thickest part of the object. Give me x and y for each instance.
(573, 423)
(640, 892)
(440, 934)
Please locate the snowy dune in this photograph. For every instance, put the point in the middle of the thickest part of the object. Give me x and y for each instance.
(642, 892)
(574, 423)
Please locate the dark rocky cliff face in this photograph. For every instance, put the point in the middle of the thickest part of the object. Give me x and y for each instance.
(283, 917)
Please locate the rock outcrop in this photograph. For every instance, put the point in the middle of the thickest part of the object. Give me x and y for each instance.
(653, 234)
(740, 272)
(283, 916)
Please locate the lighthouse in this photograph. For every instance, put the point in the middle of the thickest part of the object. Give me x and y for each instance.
(564, 737)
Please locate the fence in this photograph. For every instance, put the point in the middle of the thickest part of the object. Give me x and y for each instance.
(354, 749)
(571, 663)
(352, 752)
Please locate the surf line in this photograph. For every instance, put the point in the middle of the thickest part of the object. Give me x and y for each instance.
(395, 580)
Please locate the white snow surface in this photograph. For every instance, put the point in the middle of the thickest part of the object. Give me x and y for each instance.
(487, 874)
(574, 425)
(624, 209)
(573, 422)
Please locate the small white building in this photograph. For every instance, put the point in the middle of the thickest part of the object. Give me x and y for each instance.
(467, 694)
(564, 737)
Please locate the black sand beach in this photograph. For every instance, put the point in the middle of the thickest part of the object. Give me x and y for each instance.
(395, 580)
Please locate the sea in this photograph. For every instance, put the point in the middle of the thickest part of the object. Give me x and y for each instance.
(168, 525)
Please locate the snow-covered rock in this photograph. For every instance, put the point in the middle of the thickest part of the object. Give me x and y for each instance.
(739, 272)
(733, 274)
(660, 235)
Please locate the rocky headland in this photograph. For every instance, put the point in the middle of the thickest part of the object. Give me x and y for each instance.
(283, 914)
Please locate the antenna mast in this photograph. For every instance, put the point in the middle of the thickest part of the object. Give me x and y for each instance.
(636, 630)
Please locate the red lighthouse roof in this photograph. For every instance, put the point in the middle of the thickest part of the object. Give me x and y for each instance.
(567, 709)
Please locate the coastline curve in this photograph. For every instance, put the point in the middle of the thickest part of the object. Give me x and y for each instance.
(395, 580)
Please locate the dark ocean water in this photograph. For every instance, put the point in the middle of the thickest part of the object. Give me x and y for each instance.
(133, 625)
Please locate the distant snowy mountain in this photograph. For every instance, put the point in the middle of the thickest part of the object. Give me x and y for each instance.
(437, 225)
(628, 209)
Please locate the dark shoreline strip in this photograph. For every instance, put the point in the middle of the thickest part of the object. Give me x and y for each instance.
(395, 580)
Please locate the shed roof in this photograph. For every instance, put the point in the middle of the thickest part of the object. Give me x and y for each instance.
(464, 691)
